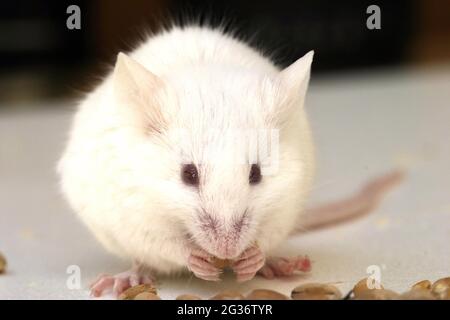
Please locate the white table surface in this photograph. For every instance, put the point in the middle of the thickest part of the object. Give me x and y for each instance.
(364, 124)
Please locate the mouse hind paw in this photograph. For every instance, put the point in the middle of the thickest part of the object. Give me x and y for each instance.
(285, 267)
(120, 282)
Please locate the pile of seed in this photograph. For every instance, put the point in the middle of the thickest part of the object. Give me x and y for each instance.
(423, 290)
(2, 264)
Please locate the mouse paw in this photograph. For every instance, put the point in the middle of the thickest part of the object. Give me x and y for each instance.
(248, 264)
(284, 267)
(120, 282)
(200, 263)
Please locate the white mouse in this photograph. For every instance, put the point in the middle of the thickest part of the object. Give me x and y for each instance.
(151, 169)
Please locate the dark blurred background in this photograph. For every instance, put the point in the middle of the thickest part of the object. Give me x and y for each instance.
(41, 59)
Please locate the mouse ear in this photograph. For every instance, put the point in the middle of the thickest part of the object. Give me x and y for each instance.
(292, 84)
(295, 78)
(134, 88)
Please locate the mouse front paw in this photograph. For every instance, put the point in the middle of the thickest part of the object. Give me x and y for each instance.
(201, 264)
(248, 264)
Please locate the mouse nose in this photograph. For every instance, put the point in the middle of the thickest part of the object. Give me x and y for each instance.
(223, 236)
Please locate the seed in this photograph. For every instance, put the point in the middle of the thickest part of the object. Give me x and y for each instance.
(376, 294)
(132, 292)
(315, 291)
(224, 263)
(228, 295)
(220, 263)
(188, 297)
(441, 288)
(146, 296)
(264, 294)
(424, 284)
(2, 263)
(417, 294)
(362, 286)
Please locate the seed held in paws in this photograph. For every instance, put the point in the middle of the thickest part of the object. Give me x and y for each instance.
(220, 263)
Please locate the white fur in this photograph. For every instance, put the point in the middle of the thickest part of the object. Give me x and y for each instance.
(121, 168)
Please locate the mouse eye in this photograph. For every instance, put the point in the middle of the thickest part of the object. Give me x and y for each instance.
(255, 174)
(189, 174)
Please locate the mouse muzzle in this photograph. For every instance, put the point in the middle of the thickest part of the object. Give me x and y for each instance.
(223, 238)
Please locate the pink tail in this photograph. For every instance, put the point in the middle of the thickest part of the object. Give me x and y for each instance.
(357, 205)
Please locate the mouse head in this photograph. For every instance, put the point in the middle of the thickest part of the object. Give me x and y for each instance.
(224, 157)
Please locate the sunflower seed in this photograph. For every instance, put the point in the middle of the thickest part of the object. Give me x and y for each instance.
(265, 294)
(146, 296)
(188, 297)
(316, 291)
(228, 295)
(132, 292)
(2, 263)
(441, 288)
